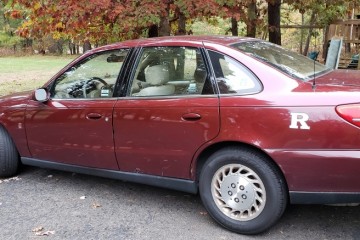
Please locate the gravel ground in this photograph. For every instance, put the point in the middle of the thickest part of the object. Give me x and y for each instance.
(61, 205)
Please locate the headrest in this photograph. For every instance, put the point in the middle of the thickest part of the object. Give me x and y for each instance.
(157, 75)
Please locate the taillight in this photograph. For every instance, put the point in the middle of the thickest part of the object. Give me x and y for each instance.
(350, 113)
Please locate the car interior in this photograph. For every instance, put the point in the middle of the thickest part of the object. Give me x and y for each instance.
(169, 71)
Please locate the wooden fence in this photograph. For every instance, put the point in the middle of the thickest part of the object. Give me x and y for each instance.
(349, 31)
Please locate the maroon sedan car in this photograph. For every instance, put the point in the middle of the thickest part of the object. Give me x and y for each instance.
(247, 124)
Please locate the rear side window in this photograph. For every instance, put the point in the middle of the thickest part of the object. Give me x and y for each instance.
(232, 77)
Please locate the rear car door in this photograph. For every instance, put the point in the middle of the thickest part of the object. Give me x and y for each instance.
(75, 125)
(169, 111)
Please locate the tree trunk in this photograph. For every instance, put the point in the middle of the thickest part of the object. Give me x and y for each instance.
(181, 24)
(312, 23)
(251, 20)
(302, 33)
(71, 48)
(274, 21)
(153, 31)
(164, 26)
(86, 46)
(180, 63)
(234, 27)
(326, 42)
(60, 47)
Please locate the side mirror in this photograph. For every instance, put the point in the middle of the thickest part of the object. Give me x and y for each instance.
(41, 95)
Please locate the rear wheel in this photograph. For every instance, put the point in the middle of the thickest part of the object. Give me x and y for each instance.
(9, 157)
(242, 190)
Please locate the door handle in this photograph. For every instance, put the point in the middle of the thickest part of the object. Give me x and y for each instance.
(93, 116)
(191, 117)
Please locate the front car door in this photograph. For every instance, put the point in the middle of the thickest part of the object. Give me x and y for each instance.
(170, 110)
(75, 125)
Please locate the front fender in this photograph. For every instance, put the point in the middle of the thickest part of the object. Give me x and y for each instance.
(12, 119)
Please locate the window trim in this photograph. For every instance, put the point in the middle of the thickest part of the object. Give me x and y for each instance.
(123, 82)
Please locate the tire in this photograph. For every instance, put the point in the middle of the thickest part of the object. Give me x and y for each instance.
(9, 157)
(242, 190)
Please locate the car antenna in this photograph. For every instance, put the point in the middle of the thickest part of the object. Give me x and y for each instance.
(314, 82)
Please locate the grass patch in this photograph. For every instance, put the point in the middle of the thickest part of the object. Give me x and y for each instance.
(29, 72)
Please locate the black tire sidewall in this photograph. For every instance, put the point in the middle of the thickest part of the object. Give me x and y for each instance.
(9, 157)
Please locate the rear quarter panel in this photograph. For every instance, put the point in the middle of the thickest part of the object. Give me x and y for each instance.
(323, 158)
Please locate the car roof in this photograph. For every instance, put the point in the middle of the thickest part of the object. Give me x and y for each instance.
(197, 39)
(219, 39)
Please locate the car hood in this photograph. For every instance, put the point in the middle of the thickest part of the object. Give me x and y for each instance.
(17, 99)
(340, 78)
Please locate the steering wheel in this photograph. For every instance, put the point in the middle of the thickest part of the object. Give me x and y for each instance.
(96, 79)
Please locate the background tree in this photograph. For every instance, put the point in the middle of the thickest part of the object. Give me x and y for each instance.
(52, 23)
(320, 13)
(274, 21)
(8, 25)
(251, 19)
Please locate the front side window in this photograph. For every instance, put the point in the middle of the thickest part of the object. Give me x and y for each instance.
(94, 77)
(232, 77)
(170, 71)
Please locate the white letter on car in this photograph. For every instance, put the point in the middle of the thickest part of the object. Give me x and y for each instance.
(299, 118)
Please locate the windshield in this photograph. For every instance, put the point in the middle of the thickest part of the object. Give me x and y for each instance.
(289, 62)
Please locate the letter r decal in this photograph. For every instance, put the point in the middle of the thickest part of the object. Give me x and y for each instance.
(299, 118)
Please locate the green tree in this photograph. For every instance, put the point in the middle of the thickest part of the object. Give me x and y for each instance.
(8, 26)
(321, 13)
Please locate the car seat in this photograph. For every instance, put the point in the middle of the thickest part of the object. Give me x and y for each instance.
(156, 77)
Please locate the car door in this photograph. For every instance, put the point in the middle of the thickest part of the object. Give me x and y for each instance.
(75, 125)
(168, 113)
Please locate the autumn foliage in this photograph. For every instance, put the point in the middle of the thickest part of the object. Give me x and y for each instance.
(105, 20)
(84, 19)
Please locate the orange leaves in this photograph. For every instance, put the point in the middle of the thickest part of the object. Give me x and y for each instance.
(15, 14)
(59, 27)
(108, 20)
(23, 32)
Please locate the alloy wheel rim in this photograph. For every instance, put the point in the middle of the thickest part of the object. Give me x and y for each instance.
(238, 192)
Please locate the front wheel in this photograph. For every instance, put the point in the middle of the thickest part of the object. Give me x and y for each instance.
(242, 190)
(9, 157)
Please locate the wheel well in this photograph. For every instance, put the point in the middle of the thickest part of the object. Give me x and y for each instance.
(206, 153)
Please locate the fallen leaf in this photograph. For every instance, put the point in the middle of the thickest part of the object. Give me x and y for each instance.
(10, 179)
(96, 205)
(38, 229)
(46, 233)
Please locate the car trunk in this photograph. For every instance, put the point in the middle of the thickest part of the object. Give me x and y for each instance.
(340, 77)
